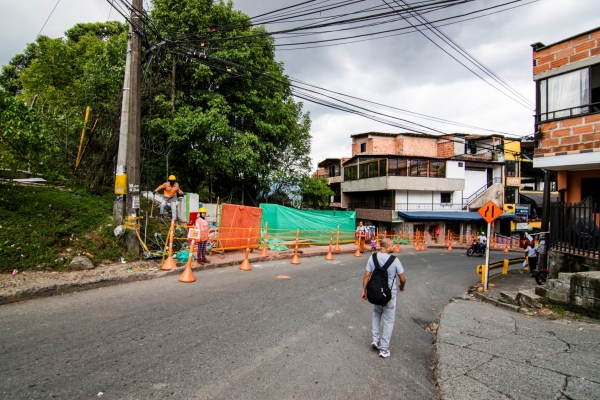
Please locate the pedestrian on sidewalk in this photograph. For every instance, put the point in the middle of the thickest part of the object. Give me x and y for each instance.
(361, 235)
(532, 257)
(203, 228)
(387, 313)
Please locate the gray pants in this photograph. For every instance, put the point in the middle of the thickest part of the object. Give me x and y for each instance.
(389, 315)
(172, 202)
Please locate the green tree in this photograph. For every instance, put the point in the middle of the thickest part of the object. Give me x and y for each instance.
(68, 74)
(22, 134)
(229, 132)
(315, 192)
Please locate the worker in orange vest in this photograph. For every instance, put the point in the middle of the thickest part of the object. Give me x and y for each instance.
(171, 189)
(203, 228)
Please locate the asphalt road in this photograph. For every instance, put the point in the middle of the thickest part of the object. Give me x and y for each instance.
(278, 331)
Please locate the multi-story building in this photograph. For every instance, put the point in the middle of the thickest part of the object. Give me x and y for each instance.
(567, 133)
(402, 182)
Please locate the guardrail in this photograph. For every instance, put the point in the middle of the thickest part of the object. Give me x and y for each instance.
(499, 264)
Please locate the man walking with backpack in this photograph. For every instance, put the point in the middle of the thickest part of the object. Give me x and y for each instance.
(380, 289)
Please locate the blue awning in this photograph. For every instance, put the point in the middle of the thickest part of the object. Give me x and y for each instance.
(446, 215)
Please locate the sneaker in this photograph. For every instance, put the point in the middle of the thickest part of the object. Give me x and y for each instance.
(375, 346)
(384, 353)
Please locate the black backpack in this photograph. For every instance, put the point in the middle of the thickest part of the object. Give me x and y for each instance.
(378, 291)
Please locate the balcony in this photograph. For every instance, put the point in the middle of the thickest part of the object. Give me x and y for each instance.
(428, 207)
(404, 183)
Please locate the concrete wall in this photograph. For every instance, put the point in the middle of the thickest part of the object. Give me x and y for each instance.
(564, 262)
(454, 171)
(373, 215)
(403, 183)
(474, 180)
(577, 291)
(490, 194)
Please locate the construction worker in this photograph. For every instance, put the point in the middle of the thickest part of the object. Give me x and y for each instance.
(171, 189)
(203, 228)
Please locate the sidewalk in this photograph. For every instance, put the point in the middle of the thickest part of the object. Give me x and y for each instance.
(492, 350)
(35, 284)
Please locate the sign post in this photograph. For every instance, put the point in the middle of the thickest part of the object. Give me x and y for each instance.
(489, 212)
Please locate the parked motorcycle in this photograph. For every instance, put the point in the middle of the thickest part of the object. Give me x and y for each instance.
(477, 249)
(542, 276)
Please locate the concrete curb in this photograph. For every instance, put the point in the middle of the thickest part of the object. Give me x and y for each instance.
(497, 303)
(71, 287)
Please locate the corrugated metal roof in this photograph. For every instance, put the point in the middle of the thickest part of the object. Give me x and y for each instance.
(446, 215)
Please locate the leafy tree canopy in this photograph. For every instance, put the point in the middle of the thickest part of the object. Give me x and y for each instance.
(315, 192)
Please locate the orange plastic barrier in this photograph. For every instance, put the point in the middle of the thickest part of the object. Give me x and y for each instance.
(234, 218)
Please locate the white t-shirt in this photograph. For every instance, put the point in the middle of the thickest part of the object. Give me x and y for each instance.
(393, 270)
(532, 251)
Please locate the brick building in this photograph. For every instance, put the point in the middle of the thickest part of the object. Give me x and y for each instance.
(405, 181)
(567, 133)
(567, 75)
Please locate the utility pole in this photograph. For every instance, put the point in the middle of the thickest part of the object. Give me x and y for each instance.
(121, 168)
(134, 123)
(544, 236)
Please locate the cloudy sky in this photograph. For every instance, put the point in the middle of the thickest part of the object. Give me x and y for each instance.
(405, 71)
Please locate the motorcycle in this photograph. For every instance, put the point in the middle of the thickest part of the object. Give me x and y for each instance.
(542, 276)
(476, 248)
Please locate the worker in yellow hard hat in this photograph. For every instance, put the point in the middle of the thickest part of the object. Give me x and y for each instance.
(203, 228)
(171, 189)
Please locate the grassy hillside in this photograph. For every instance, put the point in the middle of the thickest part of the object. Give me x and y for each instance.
(44, 228)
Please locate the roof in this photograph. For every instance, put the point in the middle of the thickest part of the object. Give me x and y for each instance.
(537, 198)
(328, 161)
(540, 46)
(427, 135)
(446, 215)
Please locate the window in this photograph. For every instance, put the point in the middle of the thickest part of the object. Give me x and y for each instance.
(365, 201)
(392, 167)
(470, 147)
(382, 167)
(591, 187)
(373, 169)
(402, 168)
(437, 169)
(510, 195)
(418, 167)
(351, 173)
(386, 199)
(332, 171)
(573, 93)
(363, 147)
(445, 197)
(511, 168)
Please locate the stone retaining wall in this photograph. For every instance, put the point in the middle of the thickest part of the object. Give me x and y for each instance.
(577, 291)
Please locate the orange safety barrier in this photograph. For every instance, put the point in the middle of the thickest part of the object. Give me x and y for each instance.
(169, 263)
(234, 217)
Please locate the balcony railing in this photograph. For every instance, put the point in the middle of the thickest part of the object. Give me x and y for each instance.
(428, 207)
(574, 228)
(567, 112)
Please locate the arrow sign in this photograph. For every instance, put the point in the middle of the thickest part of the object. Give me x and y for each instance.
(490, 212)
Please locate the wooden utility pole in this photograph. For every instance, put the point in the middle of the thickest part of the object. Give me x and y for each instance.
(135, 119)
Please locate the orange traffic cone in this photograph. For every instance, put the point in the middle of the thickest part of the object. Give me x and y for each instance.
(263, 252)
(337, 241)
(357, 253)
(329, 256)
(397, 249)
(188, 276)
(505, 248)
(245, 265)
(295, 258)
(423, 248)
(169, 263)
(495, 245)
